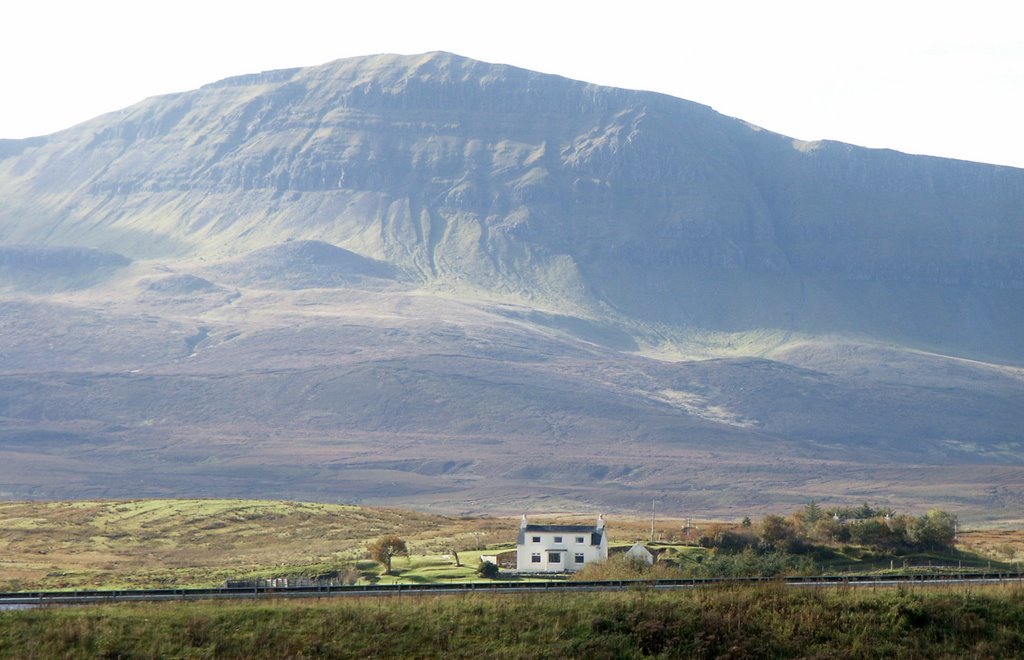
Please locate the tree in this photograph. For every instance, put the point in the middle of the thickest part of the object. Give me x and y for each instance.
(812, 513)
(386, 547)
(935, 530)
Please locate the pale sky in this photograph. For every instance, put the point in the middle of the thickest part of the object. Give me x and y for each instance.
(929, 77)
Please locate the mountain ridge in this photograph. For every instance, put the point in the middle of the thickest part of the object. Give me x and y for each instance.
(537, 187)
(331, 273)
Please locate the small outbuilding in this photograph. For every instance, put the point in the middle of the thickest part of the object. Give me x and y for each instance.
(640, 553)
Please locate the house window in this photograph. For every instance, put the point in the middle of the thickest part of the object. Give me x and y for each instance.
(579, 557)
(554, 558)
(579, 539)
(535, 558)
(536, 539)
(558, 539)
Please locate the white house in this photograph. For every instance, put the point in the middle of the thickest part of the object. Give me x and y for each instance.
(559, 548)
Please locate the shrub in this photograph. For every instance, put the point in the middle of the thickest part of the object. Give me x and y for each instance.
(776, 531)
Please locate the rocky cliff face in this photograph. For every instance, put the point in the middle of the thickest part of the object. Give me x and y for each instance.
(481, 177)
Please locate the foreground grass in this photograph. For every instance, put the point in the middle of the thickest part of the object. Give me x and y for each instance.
(762, 622)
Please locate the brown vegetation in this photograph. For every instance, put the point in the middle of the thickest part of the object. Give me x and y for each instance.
(154, 543)
(150, 543)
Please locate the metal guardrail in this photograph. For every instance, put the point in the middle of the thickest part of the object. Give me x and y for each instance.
(111, 596)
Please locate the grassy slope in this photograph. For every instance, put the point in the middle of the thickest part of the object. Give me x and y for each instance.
(153, 543)
(203, 542)
(767, 621)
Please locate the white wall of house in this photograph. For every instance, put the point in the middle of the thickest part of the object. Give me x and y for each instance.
(558, 549)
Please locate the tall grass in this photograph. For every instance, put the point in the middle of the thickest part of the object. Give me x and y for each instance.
(763, 622)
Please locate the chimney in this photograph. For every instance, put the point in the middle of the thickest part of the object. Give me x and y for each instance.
(600, 521)
(522, 523)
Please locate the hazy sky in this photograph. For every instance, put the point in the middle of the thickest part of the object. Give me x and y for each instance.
(937, 77)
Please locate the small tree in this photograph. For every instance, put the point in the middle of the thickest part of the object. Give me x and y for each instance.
(386, 547)
(812, 513)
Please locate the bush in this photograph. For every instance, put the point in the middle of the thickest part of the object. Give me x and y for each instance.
(732, 541)
(487, 570)
(621, 567)
(776, 531)
(751, 564)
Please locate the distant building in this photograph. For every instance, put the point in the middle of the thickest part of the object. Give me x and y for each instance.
(640, 553)
(559, 548)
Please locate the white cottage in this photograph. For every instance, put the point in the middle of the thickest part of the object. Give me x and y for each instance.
(559, 548)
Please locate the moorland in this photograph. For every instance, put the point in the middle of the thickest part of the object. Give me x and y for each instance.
(177, 543)
(138, 544)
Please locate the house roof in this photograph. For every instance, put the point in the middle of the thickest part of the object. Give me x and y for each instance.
(568, 529)
(595, 532)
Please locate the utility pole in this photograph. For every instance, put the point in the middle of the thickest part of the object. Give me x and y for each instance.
(652, 520)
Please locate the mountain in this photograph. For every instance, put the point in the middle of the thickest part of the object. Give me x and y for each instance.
(432, 280)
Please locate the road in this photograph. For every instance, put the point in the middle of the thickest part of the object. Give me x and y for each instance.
(18, 600)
